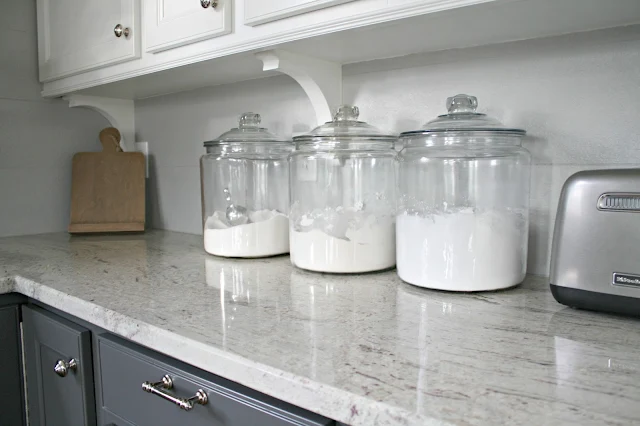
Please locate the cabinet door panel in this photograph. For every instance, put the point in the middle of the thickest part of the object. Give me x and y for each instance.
(173, 23)
(11, 392)
(259, 11)
(52, 399)
(78, 35)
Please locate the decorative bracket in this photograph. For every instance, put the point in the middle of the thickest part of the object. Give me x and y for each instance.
(320, 79)
(119, 112)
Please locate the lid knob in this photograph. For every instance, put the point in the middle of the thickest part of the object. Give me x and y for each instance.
(347, 113)
(249, 119)
(460, 104)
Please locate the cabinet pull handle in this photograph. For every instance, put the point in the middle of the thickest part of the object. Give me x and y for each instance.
(119, 30)
(167, 383)
(207, 3)
(62, 367)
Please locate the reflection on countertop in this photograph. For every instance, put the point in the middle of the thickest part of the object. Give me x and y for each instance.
(361, 349)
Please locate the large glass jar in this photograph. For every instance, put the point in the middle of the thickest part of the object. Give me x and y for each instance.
(343, 197)
(244, 179)
(463, 212)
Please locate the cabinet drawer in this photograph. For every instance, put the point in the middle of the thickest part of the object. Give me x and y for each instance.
(66, 396)
(110, 419)
(124, 367)
(258, 12)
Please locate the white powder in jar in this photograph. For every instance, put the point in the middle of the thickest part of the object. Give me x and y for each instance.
(370, 247)
(465, 250)
(266, 234)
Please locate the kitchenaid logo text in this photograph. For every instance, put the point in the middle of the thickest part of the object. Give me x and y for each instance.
(626, 279)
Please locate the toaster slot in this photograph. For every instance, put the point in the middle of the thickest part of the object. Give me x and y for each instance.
(619, 202)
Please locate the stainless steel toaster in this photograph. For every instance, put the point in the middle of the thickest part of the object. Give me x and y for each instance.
(595, 259)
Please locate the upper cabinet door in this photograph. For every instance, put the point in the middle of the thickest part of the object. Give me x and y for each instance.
(79, 35)
(173, 23)
(260, 11)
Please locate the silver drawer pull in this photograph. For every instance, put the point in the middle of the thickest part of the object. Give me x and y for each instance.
(167, 383)
(62, 367)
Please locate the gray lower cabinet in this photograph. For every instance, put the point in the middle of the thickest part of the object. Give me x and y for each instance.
(110, 419)
(145, 388)
(59, 370)
(11, 392)
(79, 375)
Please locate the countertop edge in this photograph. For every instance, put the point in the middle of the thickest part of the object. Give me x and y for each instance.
(322, 399)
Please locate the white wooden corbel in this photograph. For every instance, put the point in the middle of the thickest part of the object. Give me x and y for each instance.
(320, 79)
(119, 112)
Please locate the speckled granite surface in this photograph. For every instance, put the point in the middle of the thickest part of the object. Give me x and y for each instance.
(364, 350)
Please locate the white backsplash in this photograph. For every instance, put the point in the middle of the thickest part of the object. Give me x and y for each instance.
(38, 137)
(577, 96)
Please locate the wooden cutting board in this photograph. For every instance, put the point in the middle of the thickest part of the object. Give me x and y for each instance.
(107, 188)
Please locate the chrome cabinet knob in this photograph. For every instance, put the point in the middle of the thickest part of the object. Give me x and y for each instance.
(119, 30)
(62, 367)
(207, 3)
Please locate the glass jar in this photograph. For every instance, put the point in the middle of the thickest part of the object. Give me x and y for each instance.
(463, 212)
(244, 178)
(342, 190)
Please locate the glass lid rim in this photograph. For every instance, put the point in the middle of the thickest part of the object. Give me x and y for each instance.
(449, 130)
(344, 136)
(215, 142)
(461, 114)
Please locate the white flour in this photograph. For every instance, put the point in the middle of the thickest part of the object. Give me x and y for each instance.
(371, 247)
(267, 234)
(462, 251)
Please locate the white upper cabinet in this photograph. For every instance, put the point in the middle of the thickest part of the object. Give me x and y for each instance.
(261, 11)
(75, 36)
(178, 46)
(173, 23)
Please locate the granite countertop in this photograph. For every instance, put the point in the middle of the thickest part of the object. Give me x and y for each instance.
(364, 350)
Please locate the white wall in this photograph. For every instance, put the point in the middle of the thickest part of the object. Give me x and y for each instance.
(37, 137)
(176, 126)
(578, 97)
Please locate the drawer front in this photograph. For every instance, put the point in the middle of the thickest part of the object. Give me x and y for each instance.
(63, 398)
(110, 419)
(124, 367)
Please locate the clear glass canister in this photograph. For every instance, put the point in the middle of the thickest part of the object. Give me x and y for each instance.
(342, 190)
(244, 179)
(463, 212)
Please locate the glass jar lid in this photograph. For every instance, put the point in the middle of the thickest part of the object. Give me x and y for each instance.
(463, 118)
(248, 130)
(345, 126)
